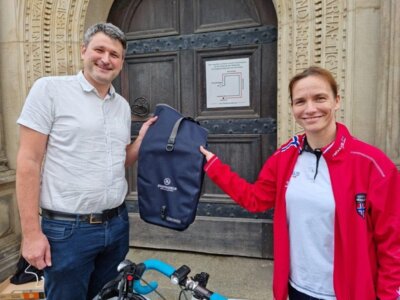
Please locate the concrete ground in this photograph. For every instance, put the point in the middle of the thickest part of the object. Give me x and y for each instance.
(231, 276)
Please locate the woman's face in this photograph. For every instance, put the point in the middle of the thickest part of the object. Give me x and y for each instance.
(314, 105)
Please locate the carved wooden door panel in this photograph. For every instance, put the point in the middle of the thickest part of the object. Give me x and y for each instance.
(214, 60)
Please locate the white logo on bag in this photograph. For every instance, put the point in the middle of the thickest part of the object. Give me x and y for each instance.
(166, 187)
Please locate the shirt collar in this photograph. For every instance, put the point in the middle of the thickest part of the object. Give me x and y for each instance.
(307, 147)
(87, 87)
(317, 151)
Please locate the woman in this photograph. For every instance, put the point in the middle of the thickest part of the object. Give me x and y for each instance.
(336, 201)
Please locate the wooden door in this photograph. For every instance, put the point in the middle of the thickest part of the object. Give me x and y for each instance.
(214, 60)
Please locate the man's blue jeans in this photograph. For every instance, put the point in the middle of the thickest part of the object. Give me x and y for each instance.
(84, 256)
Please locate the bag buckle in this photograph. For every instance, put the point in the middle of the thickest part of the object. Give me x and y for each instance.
(170, 145)
(163, 212)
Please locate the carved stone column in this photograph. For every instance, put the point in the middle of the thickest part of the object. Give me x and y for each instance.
(9, 232)
(388, 110)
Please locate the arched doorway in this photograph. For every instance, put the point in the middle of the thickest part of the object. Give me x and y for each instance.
(214, 60)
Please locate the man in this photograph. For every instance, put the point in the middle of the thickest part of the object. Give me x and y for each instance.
(74, 146)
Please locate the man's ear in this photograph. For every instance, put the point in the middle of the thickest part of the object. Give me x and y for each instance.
(83, 50)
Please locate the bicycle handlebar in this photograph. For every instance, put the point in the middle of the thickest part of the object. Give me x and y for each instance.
(168, 271)
(157, 265)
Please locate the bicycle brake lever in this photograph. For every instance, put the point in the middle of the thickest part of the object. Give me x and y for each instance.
(123, 265)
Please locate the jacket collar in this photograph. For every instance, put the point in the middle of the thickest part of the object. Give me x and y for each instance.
(334, 150)
(340, 146)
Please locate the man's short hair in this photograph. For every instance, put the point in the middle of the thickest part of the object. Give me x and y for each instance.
(108, 29)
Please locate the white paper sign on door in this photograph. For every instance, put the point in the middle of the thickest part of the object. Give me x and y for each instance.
(227, 83)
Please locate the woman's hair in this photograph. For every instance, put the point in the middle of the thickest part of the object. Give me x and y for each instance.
(108, 29)
(314, 71)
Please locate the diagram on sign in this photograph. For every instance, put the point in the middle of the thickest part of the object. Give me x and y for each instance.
(228, 83)
(231, 82)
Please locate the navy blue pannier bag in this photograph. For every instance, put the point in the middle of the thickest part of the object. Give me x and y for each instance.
(170, 170)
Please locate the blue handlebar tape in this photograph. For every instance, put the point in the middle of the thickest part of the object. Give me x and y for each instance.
(216, 296)
(158, 265)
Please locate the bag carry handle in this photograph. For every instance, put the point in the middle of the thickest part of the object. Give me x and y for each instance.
(172, 137)
(174, 132)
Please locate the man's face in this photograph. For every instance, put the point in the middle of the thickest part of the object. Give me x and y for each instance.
(103, 59)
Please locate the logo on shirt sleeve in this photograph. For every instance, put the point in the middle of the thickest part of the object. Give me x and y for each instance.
(360, 204)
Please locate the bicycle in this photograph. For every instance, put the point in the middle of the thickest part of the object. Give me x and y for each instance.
(127, 286)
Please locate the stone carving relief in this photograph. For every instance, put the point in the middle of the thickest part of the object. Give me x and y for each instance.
(311, 32)
(53, 31)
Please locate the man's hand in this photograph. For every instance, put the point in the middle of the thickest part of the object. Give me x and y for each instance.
(206, 153)
(145, 127)
(36, 250)
(132, 151)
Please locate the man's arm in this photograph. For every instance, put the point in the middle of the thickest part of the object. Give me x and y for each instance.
(132, 150)
(35, 246)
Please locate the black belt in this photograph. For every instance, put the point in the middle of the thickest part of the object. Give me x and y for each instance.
(96, 218)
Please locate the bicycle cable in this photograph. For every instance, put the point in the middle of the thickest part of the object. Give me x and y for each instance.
(182, 292)
(155, 291)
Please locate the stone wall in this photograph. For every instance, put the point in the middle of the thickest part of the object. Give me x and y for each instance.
(357, 40)
(9, 66)
(387, 108)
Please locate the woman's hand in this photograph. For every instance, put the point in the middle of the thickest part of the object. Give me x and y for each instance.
(206, 153)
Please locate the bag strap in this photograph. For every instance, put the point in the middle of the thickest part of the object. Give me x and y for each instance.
(174, 132)
(172, 137)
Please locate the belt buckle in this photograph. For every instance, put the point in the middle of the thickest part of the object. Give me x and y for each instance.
(94, 220)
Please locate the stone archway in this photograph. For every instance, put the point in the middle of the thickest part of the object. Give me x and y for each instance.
(351, 38)
(357, 40)
(310, 32)
(345, 36)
